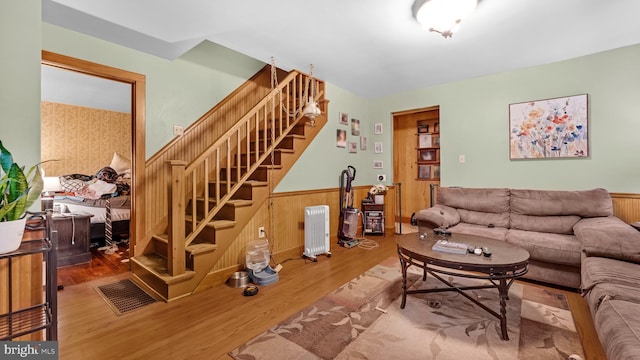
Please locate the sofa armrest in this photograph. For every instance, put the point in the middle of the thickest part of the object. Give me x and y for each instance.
(608, 237)
(441, 216)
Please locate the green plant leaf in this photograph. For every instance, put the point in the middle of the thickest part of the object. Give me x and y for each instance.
(18, 189)
(6, 160)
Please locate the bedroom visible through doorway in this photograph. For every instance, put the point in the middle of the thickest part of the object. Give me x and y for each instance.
(89, 133)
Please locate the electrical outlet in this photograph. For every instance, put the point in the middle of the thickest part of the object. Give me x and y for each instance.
(261, 232)
(178, 130)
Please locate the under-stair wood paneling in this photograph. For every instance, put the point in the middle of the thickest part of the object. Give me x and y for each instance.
(82, 140)
(626, 206)
(284, 212)
(196, 139)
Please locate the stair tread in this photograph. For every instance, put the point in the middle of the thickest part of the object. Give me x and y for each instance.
(221, 224)
(201, 248)
(157, 265)
(193, 248)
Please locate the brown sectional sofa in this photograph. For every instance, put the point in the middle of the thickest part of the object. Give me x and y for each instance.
(573, 240)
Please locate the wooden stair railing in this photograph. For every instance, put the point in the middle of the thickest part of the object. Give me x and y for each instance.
(203, 187)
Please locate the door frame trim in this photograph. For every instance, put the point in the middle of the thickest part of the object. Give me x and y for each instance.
(138, 129)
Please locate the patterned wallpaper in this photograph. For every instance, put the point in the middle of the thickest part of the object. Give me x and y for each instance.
(82, 139)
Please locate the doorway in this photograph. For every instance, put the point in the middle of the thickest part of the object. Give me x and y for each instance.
(416, 157)
(136, 84)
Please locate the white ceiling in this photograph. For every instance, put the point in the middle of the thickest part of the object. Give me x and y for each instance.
(372, 48)
(74, 88)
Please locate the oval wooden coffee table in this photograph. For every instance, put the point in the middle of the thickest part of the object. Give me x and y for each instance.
(506, 263)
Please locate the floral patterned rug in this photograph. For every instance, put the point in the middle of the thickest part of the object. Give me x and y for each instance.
(362, 320)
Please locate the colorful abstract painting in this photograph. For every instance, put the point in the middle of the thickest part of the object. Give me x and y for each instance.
(551, 128)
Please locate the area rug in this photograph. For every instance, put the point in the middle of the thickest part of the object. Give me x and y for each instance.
(124, 296)
(362, 320)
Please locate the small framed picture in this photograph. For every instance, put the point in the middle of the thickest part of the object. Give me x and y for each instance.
(436, 141)
(355, 127)
(425, 141)
(424, 171)
(353, 147)
(423, 128)
(436, 127)
(341, 138)
(363, 143)
(377, 129)
(377, 164)
(428, 155)
(436, 171)
(377, 147)
(343, 118)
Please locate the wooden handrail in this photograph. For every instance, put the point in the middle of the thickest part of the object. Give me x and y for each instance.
(268, 123)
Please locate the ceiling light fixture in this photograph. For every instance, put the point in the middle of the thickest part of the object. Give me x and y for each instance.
(443, 16)
(311, 110)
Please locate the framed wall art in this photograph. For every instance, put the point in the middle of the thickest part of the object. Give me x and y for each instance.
(353, 147)
(363, 143)
(425, 141)
(355, 127)
(377, 147)
(377, 129)
(341, 138)
(550, 128)
(428, 155)
(377, 164)
(343, 118)
(424, 171)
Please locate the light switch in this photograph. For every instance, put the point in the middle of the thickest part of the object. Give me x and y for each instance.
(178, 130)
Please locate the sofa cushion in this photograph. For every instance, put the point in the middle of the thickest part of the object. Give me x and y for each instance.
(617, 323)
(552, 248)
(437, 216)
(498, 233)
(484, 218)
(547, 224)
(598, 270)
(610, 291)
(583, 203)
(475, 199)
(609, 237)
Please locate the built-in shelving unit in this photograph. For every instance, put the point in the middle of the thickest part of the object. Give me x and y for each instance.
(428, 150)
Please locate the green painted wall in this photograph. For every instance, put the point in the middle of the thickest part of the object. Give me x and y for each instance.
(322, 163)
(474, 112)
(20, 73)
(178, 92)
(474, 122)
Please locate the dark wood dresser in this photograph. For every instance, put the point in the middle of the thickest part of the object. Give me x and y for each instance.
(74, 238)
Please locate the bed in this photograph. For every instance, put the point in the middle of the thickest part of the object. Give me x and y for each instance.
(105, 196)
(119, 213)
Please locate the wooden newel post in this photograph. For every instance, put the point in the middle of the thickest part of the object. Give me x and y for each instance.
(175, 247)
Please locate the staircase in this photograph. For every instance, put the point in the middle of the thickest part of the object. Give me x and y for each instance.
(212, 197)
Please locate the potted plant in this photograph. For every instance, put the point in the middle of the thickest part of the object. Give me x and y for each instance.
(18, 192)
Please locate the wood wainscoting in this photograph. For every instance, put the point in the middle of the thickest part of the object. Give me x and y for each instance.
(626, 206)
(285, 212)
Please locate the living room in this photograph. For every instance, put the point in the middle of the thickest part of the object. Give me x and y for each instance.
(474, 112)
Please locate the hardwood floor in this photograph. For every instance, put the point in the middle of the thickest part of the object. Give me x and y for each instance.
(102, 265)
(209, 324)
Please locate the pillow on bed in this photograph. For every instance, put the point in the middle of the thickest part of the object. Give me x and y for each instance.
(120, 163)
(70, 184)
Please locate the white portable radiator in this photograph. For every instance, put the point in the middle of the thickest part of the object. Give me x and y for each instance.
(316, 231)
